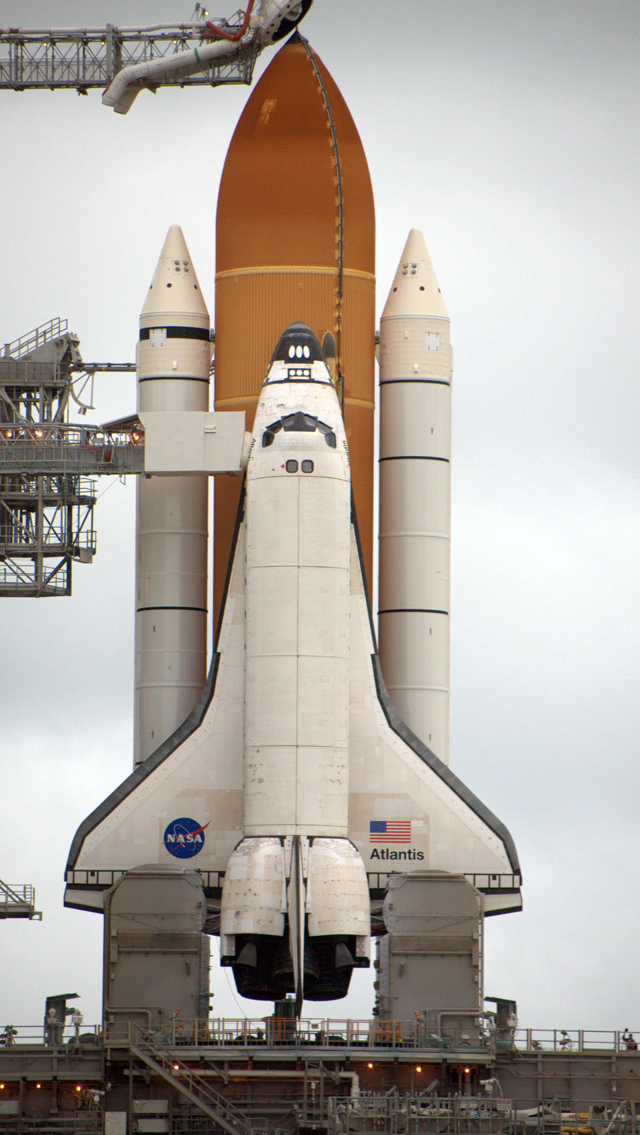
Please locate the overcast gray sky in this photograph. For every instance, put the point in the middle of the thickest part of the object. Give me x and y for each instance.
(507, 130)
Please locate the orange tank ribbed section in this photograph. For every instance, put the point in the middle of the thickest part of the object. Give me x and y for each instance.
(295, 241)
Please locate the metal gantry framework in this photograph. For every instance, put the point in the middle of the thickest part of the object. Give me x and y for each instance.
(18, 900)
(47, 493)
(46, 465)
(82, 58)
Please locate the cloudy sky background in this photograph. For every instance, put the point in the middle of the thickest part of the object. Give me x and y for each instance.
(507, 130)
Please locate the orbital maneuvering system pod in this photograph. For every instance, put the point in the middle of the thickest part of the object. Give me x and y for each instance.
(293, 787)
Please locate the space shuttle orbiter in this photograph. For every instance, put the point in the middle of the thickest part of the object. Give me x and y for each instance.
(293, 787)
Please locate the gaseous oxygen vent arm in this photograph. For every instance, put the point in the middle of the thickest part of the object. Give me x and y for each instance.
(259, 28)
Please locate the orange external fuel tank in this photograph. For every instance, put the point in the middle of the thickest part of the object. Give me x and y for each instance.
(295, 241)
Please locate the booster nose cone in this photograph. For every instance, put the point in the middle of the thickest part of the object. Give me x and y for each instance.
(415, 288)
(175, 292)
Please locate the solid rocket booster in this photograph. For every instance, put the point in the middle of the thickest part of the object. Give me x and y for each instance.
(295, 240)
(415, 497)
(173, 360)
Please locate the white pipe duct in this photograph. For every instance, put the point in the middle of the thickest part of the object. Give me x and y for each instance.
(263, 28)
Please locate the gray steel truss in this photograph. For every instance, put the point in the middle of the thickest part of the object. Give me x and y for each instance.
(82, 58)
(18, 900)
(47, 493)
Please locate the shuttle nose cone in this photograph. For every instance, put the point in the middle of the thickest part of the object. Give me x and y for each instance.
(298, 357)
(298, 342)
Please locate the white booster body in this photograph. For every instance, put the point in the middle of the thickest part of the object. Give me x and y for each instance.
(296, 726)
(173, 360)
(415, 497)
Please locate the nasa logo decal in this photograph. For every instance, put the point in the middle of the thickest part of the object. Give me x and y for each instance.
(184, 838)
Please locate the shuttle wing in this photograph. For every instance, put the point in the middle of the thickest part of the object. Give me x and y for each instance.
(407, 810)
(183, 806)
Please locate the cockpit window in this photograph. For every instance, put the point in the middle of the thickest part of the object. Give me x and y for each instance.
(298, 372)
(270, 433)
(298, 423)
(329, 435)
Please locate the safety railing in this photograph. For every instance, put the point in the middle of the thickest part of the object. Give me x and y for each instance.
(12, 1036)
(315, 1032)
(475, 1115)
(53, 329)
(247, 1032)
(575, 1040)
(40, 434)
(82, 1123)
(32, 448)
(13, 894)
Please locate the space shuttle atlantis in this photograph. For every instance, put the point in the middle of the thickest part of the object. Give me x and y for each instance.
(293, 787)
(291, 782)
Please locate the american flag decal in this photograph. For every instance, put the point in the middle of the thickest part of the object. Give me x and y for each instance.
(390, 831)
